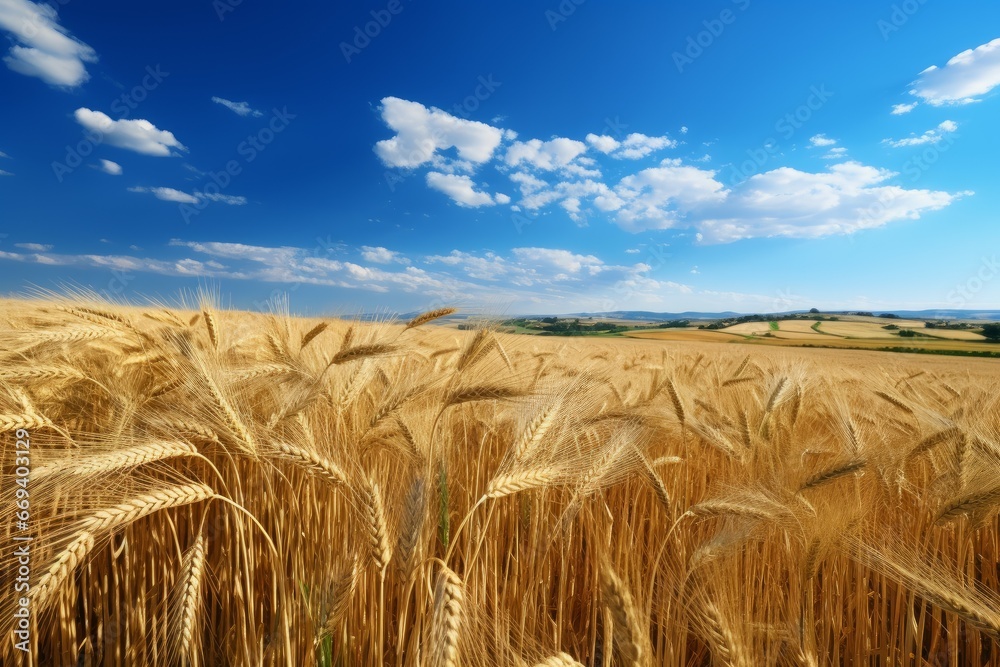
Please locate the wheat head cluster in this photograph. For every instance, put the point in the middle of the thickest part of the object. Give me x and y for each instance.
(213, 487)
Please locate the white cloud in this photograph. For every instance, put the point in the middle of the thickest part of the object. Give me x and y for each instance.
(929, 137)
(821, 140)
(638, 146)
(632, 251)
(109, 167)
(559, 173)
(550, 155)
(232, 200)
(34, 247)
(168, 194)
(655, 198)
(633, 147)
(461, 189)
(5, 173)
(136, 135)
(684, 129)
(787, 202)
(563, 262)
(421, 132)
(965, 78)
(239, 108)
(603, 143)
(43, 48)
(180, 197)
(900, 109)
(380, 255)
(2, 154)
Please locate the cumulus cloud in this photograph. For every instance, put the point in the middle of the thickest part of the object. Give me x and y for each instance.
(563, 173)
(238, 108)
(931, 136)
(821, 140)
(180, 197)
(633, 147)
(655, 198)
(34, 247)
(43, 48)
(787, 202)
(421, 132)
(136, 135)
(462, 190)
(109, 167)
(550, 155)
(900, 109)
(963, 79)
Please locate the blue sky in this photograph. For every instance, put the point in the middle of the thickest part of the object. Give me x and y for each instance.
(543, 157)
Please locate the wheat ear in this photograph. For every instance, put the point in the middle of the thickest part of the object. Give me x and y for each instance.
(375, 524)
(446, 622)
(60, 570)
(429, 316)
(146, 504)
(627, 629)
(213, 330)
(313, 462)
(827, 476)
(559, 660)
(122, 459)
(189, 602)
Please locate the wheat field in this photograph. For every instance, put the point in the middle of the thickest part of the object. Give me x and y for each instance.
(212, 487)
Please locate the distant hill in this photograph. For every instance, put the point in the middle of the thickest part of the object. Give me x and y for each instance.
(650, 316)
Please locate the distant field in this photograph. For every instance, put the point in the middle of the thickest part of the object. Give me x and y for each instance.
(855, 332)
